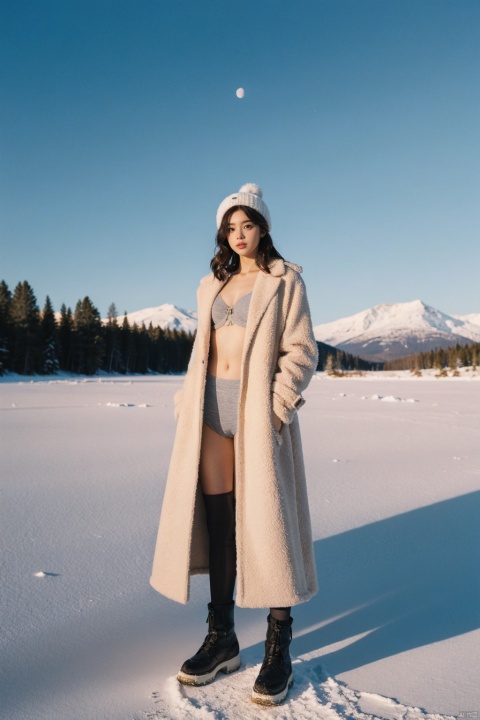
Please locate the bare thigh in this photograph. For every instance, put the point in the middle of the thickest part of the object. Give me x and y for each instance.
(217, 462)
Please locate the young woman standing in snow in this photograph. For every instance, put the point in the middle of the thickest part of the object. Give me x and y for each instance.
(235, 503)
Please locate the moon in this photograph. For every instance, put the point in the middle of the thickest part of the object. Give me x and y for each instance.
(240, 93)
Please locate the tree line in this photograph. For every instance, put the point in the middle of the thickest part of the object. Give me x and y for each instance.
(332, 359)
(32, 341)
(451, 357)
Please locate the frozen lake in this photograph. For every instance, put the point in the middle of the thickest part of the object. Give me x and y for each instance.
(393, 469)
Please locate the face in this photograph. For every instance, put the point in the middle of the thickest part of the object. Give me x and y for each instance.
(243, 235)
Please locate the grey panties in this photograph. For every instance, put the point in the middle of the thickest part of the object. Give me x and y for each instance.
(220, 408)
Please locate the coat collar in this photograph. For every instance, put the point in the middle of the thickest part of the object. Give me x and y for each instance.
(265, 287)
(277, 269)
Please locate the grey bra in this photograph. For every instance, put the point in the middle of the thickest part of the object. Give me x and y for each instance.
(223, 314)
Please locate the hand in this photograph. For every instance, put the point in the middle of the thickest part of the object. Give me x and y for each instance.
(277, 423)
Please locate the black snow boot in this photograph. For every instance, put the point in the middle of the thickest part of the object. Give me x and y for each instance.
(275, 676)
(219, 652)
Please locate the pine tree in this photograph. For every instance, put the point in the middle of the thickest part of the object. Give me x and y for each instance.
(331, 364)
(156, 337)
(49, 334)
(5, 326)
(88, 338)
(439, 359)
(112, 313)
(439, 362)
(65, 331)
(453, 359)
(25, 316)
(126, 345)
(113, 357)
(142, 348)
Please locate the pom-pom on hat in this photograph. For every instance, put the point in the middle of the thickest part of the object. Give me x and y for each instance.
(249, 195)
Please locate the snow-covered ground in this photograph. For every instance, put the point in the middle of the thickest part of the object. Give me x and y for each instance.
(393, 466)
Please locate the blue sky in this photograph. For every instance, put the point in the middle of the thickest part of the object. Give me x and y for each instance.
(121, 133)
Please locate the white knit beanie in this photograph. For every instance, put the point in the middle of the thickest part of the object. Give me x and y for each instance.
(249, 195)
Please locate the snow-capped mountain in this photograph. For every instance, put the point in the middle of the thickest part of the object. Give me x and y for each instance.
(385, 332)
(164, 316)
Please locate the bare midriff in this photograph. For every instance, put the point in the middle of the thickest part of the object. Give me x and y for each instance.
(226, 343)
(226, 346)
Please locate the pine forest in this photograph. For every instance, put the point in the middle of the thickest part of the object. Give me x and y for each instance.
(35, 342)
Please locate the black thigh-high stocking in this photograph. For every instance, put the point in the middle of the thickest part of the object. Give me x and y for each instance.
(222, 556)
(282, 613)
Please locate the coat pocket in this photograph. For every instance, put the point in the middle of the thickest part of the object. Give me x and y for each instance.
(277, 433)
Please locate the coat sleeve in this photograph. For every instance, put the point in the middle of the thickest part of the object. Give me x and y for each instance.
(297, 355)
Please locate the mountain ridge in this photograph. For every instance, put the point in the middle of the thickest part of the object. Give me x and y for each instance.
(390, 331)
(166, 316)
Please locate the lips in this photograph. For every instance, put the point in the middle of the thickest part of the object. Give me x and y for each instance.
(241, 245)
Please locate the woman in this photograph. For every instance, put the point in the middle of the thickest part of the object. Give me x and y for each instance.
(235, 503)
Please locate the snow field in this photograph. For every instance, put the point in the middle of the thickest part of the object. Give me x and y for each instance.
(394, 495)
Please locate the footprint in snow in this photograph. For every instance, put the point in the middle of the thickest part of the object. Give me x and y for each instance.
(315, 695)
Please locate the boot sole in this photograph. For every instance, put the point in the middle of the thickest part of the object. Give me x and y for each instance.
(228, 666)
(262, 699)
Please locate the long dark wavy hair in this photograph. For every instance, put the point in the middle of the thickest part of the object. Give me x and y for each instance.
(226, 260)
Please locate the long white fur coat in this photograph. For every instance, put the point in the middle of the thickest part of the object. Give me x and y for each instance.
(275, 562)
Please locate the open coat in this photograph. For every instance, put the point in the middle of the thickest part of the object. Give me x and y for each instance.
(275, 562)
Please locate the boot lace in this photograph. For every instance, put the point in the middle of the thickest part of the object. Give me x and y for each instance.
(209, 642)
(211, 639)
